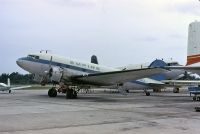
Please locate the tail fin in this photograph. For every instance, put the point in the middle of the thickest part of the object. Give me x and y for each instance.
(193, 54)
(8, 82)
(94, 59)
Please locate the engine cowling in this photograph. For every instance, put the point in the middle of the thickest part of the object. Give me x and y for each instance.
(55, 74)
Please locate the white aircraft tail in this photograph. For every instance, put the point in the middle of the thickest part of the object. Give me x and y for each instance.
(193, 54)
(8, 82)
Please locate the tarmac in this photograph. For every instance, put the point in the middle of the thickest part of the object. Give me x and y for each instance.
(33, 112)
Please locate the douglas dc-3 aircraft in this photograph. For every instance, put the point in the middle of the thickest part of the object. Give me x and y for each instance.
(68, 72)
(7, 87)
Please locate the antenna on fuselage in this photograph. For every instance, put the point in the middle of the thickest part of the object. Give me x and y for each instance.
(46, 51)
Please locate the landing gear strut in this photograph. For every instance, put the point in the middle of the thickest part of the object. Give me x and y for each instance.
(52, 92)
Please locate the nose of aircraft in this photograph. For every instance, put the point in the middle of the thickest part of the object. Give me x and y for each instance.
(19, 62)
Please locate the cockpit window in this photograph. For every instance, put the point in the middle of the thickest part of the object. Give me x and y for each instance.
(36, 57)
(33, 56)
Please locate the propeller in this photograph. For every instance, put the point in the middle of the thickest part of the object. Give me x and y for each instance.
(49, 72)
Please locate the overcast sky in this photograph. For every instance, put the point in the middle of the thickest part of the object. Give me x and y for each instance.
(119, 32)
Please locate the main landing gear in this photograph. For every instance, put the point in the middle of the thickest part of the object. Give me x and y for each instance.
(71, 93)
(52, 92)
(196, 98)
(176, 90)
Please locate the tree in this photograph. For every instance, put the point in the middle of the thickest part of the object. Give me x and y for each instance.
(17, 78)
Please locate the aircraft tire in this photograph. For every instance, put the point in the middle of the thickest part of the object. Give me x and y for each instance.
(71, 94)
(52, 92)
(148, 94)
(194, 98)
(127, 91)
(9, 91)
(75, 94)
(176, 90)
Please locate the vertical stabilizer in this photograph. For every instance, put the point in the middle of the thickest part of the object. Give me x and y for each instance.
(8, 82)
(193, 54)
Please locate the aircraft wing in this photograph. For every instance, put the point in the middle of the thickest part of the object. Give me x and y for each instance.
(22, 87)
(116, 77)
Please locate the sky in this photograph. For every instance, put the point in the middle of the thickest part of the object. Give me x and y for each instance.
(119, 32)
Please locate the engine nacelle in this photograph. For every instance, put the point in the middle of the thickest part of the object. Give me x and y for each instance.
(55, 74)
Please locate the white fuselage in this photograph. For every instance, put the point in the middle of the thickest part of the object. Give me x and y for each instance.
(41, 63)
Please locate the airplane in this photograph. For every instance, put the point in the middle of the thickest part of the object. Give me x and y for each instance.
(7, 87)
(69, 72)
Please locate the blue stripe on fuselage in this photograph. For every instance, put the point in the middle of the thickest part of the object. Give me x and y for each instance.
(42, 61)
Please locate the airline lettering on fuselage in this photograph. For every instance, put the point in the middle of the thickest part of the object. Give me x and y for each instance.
(84, 65)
